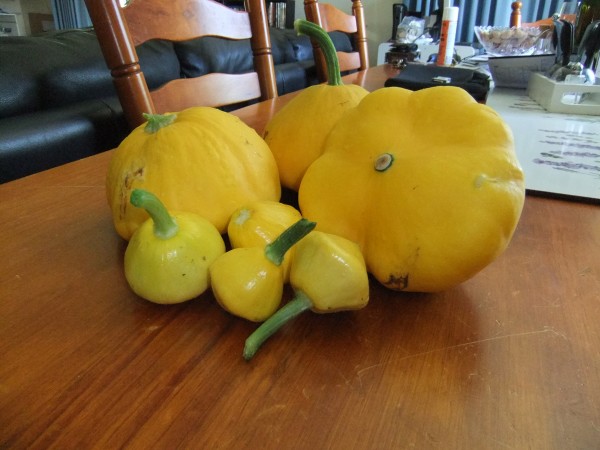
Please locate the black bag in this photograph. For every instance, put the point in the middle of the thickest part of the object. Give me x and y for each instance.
(420, 76)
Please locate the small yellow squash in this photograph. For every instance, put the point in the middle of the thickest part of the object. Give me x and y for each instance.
(260, 223)
(168, 257)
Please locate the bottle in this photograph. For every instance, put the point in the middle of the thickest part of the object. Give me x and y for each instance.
(447, 36)
(589, 10)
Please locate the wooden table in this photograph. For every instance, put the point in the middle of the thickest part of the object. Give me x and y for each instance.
(508, 359)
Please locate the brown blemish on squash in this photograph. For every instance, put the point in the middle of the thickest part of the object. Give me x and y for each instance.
(130, 177)
(398, 282)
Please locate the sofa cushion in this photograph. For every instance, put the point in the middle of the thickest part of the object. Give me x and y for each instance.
(26, 59)
(89, 78)
(300, 45)
(342, 41)
(282, 44)
(64, 67)
(294, 76)
(44, 139)
(210, 54)
(18, 92)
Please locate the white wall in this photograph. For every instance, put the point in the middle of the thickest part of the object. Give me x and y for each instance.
(22, 8)
(14, 7)
(378, 17)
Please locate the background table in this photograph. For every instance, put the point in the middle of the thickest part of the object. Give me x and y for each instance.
(560, 153)
(508, 359)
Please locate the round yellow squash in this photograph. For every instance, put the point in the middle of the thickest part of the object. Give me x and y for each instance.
(200, 160)
(297, 132)
(427, 183)
(261, 222)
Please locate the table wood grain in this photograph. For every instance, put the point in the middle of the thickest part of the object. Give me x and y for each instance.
(508, 359)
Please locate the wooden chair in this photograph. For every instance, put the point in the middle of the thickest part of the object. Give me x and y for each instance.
(121, 28)
(331, 18)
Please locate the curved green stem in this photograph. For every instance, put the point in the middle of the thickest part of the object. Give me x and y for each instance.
(165, 226)
(293, 308)
(334, 77)
(276, 250)
(158, 121)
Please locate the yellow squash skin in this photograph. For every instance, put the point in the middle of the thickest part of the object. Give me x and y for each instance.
(248, 281)
(297, 132)
(172, 270)
(207, 162)
(328, 274)
(246, 284)
(260, 223)
(448, 204)
(330, 270)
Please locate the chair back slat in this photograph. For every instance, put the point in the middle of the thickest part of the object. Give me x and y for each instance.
(334, 19)
(330, 19)
(181, 21)
(219, 90)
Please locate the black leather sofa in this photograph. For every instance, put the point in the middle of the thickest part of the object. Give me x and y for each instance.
(58, 103)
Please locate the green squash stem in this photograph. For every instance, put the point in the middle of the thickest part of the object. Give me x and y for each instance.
(293, 308)
(165, 226)
(158, 121)
(334, 77)
(276, 250)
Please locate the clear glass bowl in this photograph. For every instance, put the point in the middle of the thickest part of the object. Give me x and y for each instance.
(504, 41)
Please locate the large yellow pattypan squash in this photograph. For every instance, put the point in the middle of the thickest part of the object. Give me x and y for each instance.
(427, 183)
(200, 160)
(297, 132)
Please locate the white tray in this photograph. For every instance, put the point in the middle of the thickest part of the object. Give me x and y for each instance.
(561, 97)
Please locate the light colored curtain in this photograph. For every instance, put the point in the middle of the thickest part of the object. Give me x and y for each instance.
(486, 12)
(70, 14)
